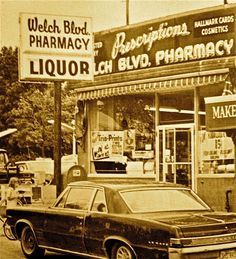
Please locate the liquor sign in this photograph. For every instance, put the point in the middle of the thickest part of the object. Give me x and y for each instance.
(221, 112)
(194, 36)
(55, 48)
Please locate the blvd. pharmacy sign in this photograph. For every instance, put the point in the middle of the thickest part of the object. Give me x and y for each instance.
(55, 47)
(221, 112)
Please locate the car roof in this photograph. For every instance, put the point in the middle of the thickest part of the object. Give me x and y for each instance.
(125, 184)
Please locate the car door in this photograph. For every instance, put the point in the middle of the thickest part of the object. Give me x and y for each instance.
(95, 224)
(64, 222)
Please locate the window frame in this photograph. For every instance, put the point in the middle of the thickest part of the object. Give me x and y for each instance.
(66, 193)
(104, 196)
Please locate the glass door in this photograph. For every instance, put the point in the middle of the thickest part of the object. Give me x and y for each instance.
(176, 154)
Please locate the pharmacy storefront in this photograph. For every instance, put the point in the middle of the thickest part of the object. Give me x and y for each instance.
(144, 114)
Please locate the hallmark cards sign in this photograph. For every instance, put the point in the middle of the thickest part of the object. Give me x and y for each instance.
(55, 47)
(221, 112)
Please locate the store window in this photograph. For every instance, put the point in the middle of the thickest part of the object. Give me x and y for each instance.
(216, 154)
(177, 108)
(123, 134)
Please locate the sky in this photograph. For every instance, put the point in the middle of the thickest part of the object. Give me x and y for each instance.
(105, 14)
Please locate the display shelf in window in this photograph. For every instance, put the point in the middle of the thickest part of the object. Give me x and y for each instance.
(216, 153)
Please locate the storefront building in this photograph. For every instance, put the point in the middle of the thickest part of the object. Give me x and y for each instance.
(144, 114)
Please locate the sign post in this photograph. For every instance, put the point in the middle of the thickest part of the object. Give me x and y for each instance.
(55, 48)
(57, 136)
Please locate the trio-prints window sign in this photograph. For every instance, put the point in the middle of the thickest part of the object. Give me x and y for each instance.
(107, 144)
(55, 47)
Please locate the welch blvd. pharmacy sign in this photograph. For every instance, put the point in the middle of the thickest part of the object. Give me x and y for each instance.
(191, 36)
(55, 48)
(221, 112)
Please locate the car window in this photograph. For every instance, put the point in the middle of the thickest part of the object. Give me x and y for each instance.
(79, 198)
(61, 202)
(99, 203)
(154, 200)
(75, 198)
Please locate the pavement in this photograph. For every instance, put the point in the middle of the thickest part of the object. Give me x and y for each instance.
(1, 229)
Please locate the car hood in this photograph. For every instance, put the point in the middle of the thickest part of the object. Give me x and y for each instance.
(199, 224)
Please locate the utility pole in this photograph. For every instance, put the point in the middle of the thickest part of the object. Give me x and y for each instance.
(57, 137)
(127, 12)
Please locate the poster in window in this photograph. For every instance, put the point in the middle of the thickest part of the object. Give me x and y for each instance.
(129, 140)
(106, 144)
(216, 146)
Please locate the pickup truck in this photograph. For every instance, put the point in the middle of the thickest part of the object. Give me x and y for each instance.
(8, 170)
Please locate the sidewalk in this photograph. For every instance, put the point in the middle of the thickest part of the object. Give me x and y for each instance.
(1, 228)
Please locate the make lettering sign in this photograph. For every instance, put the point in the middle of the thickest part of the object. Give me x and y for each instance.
(55, 48)
(221, 112)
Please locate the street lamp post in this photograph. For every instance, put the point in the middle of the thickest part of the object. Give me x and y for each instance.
(127, 12)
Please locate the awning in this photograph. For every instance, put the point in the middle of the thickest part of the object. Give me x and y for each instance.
(159, 85)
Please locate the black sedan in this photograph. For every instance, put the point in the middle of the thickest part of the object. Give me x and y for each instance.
(126, 221)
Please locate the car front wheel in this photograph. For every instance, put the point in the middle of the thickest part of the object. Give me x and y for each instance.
(122, 251)
(29, 244)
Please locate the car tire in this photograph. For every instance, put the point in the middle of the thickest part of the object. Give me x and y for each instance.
(29, 244)
(122, 251)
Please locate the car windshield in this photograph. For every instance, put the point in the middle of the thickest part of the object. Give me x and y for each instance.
(157, 200)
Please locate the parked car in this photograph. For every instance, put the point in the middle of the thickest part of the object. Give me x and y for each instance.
(9, 169)
(43, 168)
(126, 221)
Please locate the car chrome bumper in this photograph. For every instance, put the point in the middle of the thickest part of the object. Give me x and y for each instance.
(193, 252)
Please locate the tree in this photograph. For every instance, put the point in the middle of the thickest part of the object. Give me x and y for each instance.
(30, 118)
(10, 88)
(35, 108)
(28, 107)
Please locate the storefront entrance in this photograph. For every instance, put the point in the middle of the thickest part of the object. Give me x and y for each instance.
(176, 153)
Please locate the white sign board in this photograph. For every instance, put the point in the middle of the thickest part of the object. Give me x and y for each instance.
(55, 47)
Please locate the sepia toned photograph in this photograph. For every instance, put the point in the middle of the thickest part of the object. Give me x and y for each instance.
(118, 129)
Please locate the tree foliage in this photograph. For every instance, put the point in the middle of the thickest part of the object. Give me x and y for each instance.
(28, 107)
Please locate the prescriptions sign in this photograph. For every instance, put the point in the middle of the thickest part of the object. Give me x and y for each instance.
(193, 36)
(55, 47)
